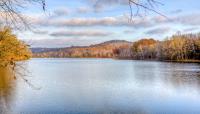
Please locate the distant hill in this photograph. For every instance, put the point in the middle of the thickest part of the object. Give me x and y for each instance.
(107, 49)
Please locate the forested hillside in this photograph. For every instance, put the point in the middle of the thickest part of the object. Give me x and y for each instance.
(102, 50)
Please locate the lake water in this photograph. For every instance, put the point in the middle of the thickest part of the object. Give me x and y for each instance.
(103, 86)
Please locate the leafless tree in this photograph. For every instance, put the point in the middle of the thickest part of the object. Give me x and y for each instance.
(147, 5)
(10, 12)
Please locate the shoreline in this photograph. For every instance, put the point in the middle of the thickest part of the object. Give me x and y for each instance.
(183, 61)
(175, 61)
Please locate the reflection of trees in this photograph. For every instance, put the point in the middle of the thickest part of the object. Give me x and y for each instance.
(6, 90)
(21, 73)
(173, 75)
(9, 76)
(180, 78)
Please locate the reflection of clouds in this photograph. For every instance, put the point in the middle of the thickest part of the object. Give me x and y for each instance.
(106, 85)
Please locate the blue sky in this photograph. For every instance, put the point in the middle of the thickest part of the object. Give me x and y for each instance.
(81, 22)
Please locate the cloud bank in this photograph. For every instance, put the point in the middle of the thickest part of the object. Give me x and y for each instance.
(85, 33)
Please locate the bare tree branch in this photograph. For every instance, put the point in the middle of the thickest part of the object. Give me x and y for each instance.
(149, 6)
(11, 15)
(134, 5)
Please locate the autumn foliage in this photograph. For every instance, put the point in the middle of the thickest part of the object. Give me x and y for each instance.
(11, 48)
(178, 47)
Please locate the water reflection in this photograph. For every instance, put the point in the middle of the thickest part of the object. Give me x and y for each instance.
(107, 86)
(169, 74)
(6, 90)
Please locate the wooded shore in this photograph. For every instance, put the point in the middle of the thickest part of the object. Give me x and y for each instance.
(183, 48)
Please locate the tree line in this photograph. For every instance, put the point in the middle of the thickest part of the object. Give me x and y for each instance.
(179, 47)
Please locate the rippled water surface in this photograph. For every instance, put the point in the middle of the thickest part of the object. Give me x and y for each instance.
(103, 86)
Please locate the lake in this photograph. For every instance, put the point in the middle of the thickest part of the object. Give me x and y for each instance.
(103, 86)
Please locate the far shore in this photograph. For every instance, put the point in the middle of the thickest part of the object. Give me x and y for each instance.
(176, 61)
(183, 61)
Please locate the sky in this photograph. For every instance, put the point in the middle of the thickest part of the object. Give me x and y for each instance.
(84, 22)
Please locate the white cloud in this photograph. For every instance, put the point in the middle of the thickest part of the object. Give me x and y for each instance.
(41, 32)
(176, 11)
(129, 31)
(60, 42)
(60, 12)
(119, 21)
(101, 4)
(85, 33)
(191, 29)
(158, 31)
(83, 10)
(89, 22)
